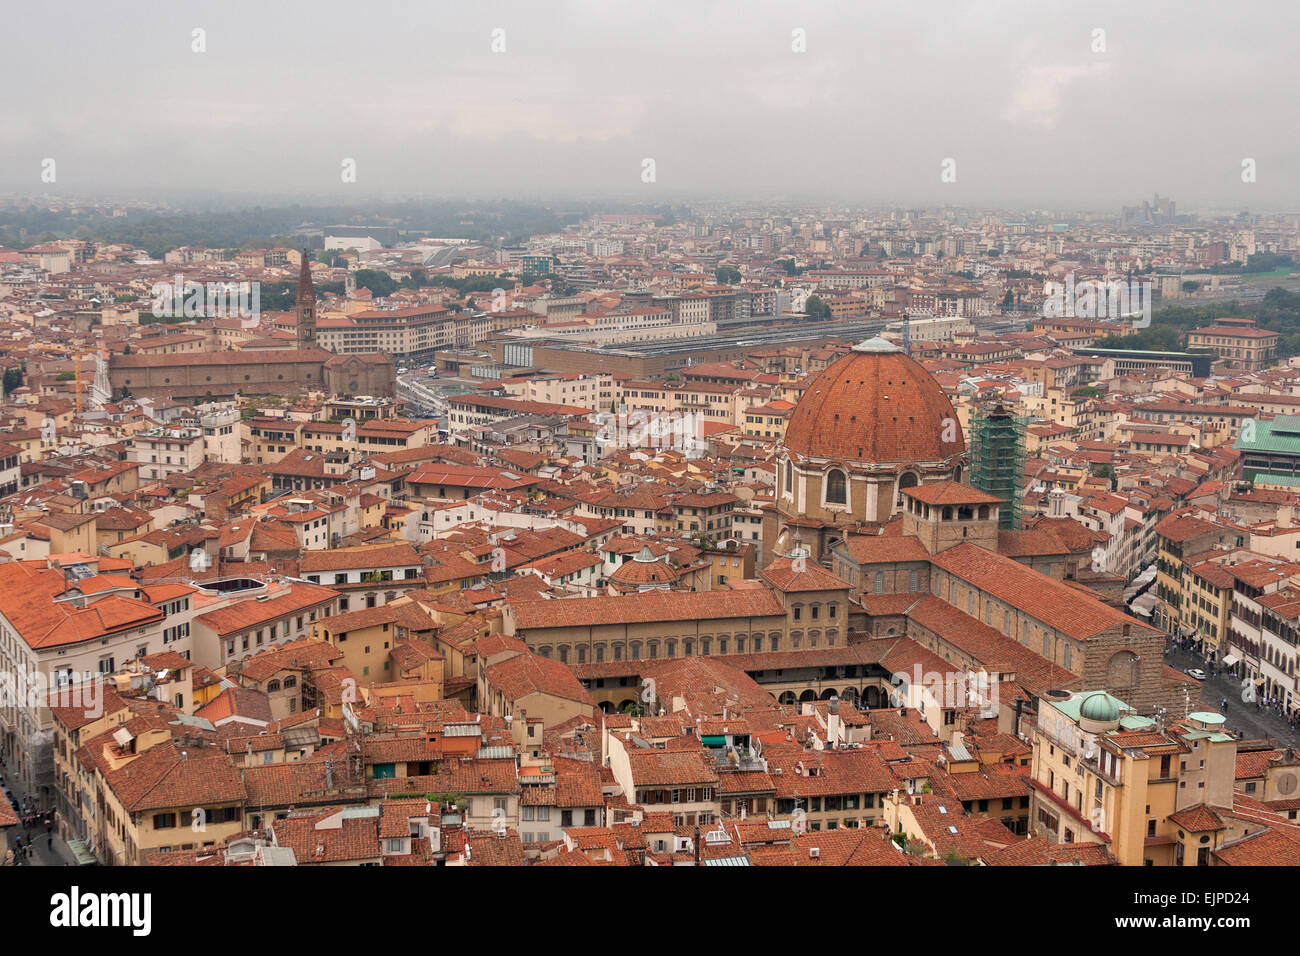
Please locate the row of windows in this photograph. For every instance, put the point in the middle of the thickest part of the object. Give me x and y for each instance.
(739, 644)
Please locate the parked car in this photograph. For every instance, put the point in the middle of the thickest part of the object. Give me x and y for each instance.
(1196, 672)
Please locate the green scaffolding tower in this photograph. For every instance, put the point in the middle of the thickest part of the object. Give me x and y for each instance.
(997, 460)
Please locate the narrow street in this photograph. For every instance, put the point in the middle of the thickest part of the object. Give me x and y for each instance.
(1250, 721)
(45, 852)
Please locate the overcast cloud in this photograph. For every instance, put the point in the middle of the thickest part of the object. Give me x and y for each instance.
(712, 91)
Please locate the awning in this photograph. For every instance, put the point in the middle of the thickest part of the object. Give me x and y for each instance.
(82, 853)
(1230, 660)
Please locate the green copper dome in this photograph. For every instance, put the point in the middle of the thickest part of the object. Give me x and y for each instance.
(1100, 707)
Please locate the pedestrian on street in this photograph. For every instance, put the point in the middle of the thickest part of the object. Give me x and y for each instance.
(29, 849)
(9, 858)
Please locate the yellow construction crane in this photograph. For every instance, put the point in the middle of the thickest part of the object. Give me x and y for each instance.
(76, 374)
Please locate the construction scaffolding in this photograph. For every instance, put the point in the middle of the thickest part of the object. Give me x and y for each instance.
(997, 460)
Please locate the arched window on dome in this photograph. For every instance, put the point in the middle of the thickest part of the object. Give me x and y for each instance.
(788, 485)
(906, 480)
(837, 491)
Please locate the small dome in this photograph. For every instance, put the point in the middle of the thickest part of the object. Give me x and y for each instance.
(1100, 707)
(643, 572)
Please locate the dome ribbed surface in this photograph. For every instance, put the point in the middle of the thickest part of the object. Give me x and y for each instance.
(874, 406)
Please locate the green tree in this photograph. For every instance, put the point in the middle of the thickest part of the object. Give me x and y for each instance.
(816, 308)
(727, 275)
(380, 284)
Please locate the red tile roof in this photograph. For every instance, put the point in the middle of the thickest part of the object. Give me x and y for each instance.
(650, 606)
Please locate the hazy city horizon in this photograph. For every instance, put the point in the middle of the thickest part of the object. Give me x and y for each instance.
(1035, 105)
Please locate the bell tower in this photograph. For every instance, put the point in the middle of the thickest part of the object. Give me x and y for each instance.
(306, 306)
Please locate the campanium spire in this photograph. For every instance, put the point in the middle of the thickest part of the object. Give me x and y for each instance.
(306, 290)
(306, 305)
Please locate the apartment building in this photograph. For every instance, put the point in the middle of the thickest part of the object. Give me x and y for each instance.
(1237, 342)
(54, 637)
(1262, 630)
(468, 412)
(244, 626)
(137, 791)
(409, 334)
(1185, 541)
(586, 390)
(163, 452)
(1103, 774)
(365, 577)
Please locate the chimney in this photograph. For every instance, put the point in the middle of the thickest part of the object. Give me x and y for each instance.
(1284, 516)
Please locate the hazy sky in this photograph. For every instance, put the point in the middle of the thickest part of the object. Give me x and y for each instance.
(712, 91)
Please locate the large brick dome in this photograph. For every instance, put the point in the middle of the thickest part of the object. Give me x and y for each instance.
(875, 405)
